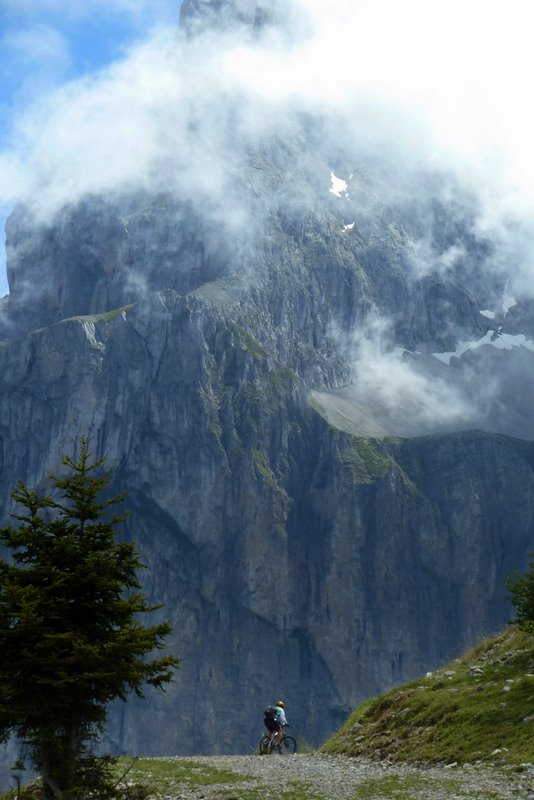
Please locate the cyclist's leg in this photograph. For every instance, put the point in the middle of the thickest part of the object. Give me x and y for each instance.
(272, 730)
(279, 736)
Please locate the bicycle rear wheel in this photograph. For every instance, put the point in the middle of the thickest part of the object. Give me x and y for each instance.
(289, 745)
(264, 747)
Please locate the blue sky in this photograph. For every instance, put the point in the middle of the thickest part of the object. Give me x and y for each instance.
(45, 44)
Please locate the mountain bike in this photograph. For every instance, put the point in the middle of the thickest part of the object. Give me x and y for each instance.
(269, 744)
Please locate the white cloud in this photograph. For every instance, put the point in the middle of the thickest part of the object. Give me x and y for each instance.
(462, 70)
(437, 67)
(40, 47)
(158, 118)
(14, 179)
(403, 397)
(94, 134)
(424, 260)
(416, 81)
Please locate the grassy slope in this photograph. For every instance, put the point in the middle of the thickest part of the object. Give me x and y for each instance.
(466, 712)
(479, 708)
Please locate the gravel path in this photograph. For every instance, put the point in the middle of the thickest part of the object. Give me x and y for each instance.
(342, 778)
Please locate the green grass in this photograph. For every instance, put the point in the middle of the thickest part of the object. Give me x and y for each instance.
(159, 776)
(473, 710)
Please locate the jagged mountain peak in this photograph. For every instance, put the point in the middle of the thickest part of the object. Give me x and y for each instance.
(201, 15)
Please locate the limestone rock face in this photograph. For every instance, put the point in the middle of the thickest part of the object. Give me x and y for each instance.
(292, 558)
(305, 539)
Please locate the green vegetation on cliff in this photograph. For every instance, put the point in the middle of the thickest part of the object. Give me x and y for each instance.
(477, 708)
(362, 460)
(106, 316)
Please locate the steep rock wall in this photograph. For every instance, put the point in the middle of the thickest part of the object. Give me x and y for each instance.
(291, 557)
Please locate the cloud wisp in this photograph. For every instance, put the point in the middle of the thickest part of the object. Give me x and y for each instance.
(386, 69)
(467, 111)
(401, 393)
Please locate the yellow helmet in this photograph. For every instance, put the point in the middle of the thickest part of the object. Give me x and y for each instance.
(280, 703)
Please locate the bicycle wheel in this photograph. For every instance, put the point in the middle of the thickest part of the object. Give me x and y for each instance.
(289, 745)
(264, 747)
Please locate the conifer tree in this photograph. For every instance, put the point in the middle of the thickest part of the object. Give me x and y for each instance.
(71, 639)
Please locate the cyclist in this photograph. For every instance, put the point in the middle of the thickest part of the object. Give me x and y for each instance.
(275, 720)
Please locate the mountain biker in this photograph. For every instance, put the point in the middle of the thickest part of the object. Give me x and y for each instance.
(275, 723)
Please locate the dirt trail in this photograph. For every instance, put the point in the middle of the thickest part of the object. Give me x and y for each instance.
(340, 778)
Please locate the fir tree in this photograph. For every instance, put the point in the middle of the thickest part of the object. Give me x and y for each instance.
(70, 636)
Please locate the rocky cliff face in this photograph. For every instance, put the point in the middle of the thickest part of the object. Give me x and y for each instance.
(300, 546)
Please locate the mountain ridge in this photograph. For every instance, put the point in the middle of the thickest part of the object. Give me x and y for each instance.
(193, 333)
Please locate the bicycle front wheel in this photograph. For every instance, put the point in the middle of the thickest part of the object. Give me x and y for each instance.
(264, 747)
(289, 745)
